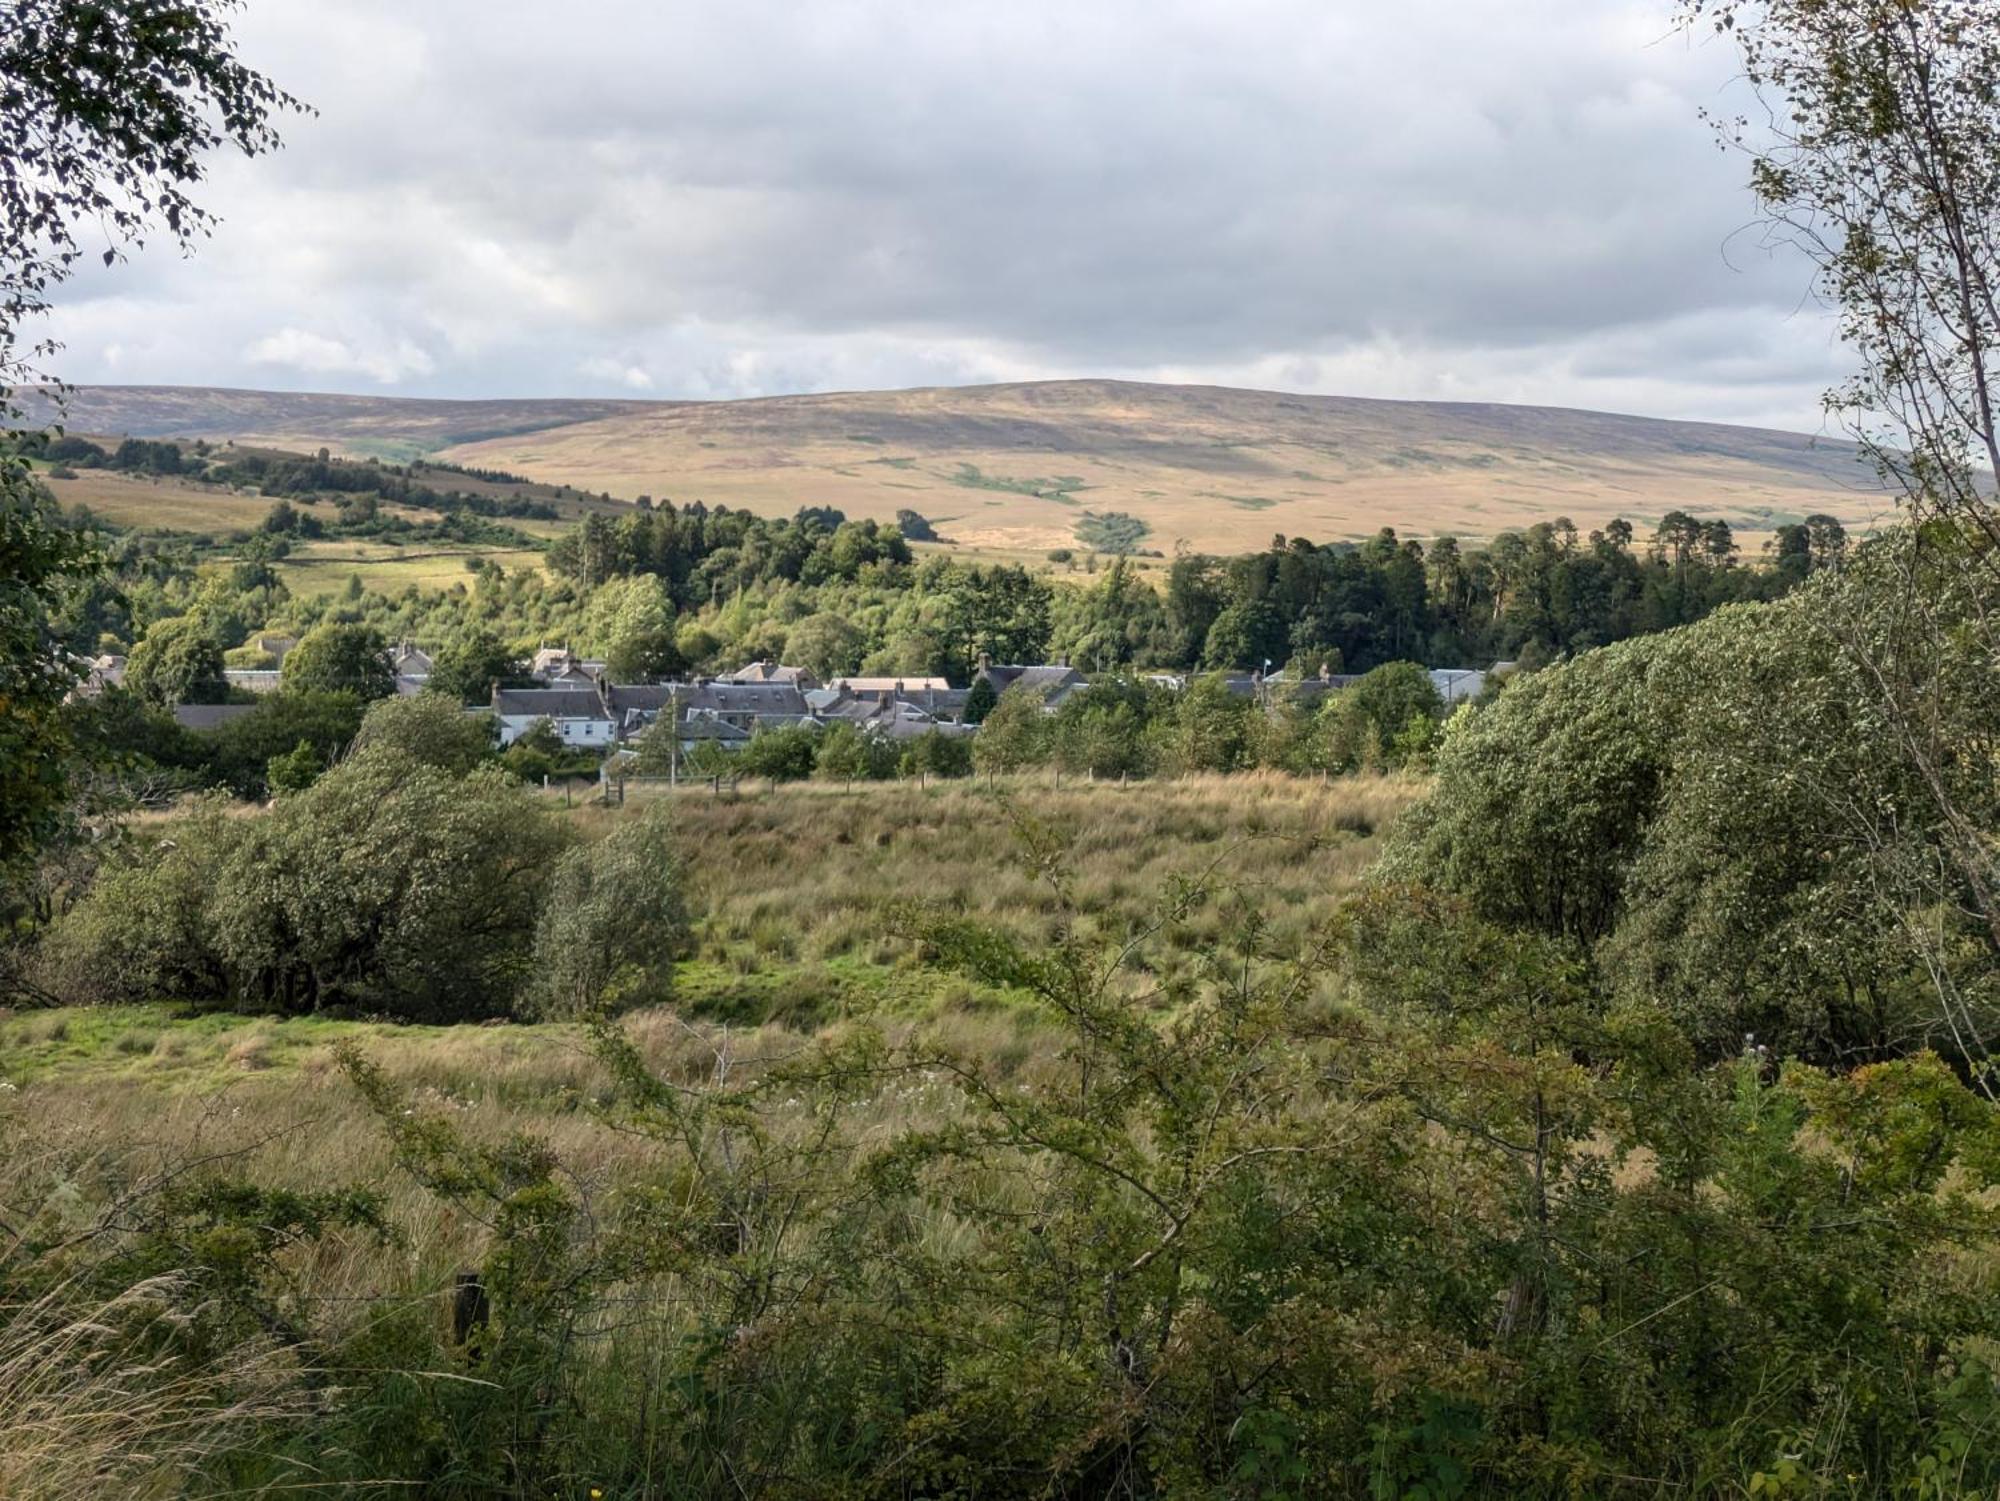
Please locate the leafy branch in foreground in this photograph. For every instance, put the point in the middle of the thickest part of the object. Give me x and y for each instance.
(108, 111)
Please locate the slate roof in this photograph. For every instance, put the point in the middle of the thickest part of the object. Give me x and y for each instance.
(713, 729)
(1457, 684)
(1044, 675)
(1278, 685)
(757, 700)
(549, 703)
(647, 698)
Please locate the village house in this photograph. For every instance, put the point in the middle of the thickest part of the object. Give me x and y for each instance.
(103, 672)
(1056, 682)
(559, 667)
(635, 707)
(578, 715)
(897, 685)
(747, 706)
(412, 660)
(1281, 687)
(771, 672)
(1457, 685)
(894, 715)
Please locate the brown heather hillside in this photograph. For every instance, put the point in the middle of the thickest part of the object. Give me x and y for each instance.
(1018, 466)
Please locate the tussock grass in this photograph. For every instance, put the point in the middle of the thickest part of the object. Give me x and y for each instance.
(810, 879)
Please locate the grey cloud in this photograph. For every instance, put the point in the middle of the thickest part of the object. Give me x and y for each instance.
(742, 196)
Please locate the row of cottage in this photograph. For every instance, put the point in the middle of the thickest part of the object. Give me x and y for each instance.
(587, 710)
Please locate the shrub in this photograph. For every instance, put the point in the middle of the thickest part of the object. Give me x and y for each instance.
(238, 753)
(387, 886)
(429, 728)
(785, 754)
(613, 920)
(294, 771)
(1014, 735)
(145, 929)
(937, 754)
(178, 662)
(847, 755)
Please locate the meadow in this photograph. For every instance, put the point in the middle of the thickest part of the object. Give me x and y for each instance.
(799, 890)
(802, 895)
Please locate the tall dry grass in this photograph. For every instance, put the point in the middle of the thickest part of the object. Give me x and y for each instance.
(807, 873)
(90, 1407)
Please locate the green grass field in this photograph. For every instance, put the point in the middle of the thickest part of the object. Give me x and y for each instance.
(148, 503)
(325, 567)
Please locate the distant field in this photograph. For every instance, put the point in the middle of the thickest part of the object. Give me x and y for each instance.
(324, 567)
(146, 502)
(1015, 469)
(175, 504)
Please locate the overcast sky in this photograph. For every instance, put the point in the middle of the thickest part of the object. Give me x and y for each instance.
(1455, 199)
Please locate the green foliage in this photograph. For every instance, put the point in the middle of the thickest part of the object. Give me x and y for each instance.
(178, 662)
(784, 753)
(429, 729)
(828, 645)
(1014, 735)
(915, 528)
(1104, 732)
(1389, 718)
(237, 754)
(471, 665)
(980, 700)
(340, 658)
(1710, 813)
(39, 559)
(1544, 797)
(845, 754)
(936, 754)
(632, 624)
(613, 921)
(294, 771)
(1206, 730)
(1112, 531)
(1250, 636)
(388, 885)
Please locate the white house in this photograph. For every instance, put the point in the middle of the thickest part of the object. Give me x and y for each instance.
(578, 714)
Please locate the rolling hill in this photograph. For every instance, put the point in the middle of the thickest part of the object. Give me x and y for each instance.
(1019, 467)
